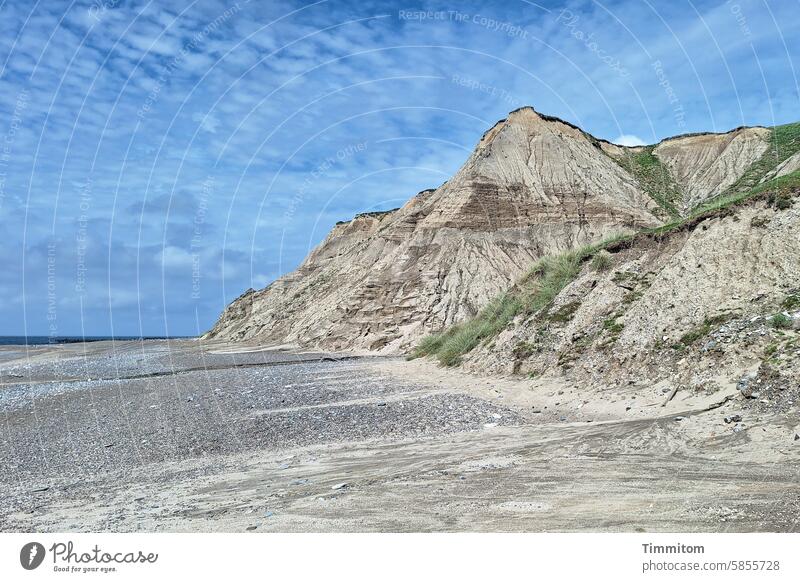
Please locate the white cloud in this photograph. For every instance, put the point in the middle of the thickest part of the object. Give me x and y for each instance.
(172, 256)
(207, 123)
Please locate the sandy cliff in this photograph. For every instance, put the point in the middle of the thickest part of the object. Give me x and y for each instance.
(694, 308)
(534, 185)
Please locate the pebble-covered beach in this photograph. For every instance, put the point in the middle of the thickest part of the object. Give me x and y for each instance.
(181, 436)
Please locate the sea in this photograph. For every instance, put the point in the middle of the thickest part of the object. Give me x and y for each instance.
(37, 340)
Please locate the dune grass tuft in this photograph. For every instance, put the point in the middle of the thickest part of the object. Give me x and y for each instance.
(601, 261)
(780, 321)
(464, 337)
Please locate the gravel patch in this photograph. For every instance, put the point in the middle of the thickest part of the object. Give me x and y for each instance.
(121, 360)
(69, 429)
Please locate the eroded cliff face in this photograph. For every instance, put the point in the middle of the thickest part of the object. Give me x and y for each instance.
(706, 308)
(534, 185)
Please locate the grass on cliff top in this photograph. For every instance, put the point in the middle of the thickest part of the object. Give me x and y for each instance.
(538, 288)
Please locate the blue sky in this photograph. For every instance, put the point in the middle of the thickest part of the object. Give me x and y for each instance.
(159, 158)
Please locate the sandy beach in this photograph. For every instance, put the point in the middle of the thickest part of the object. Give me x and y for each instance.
(185, 436)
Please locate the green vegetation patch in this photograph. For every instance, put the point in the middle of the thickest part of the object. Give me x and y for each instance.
(613, 326)
(781, 352)
(602, 261)
(566, 312)
(523, 350)
(430, 344)
(702, 330)
(780, 321)
(461, 338)
(792, 301)
(783, 187)
(784, 142)
(548, 276)
(780, 200)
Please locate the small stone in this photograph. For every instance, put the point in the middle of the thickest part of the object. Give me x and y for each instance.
(251, 527)
(679, 418)
(732, 418)
(743, 385)
(339, 486)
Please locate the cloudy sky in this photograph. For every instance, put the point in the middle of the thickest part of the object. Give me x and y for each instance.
(158, 158)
